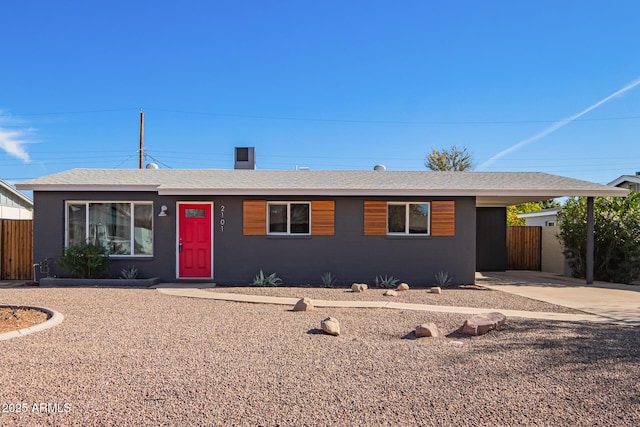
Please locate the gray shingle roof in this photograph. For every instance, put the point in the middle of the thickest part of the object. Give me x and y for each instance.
(530, 185)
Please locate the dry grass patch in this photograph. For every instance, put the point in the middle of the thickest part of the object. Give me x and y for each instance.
(14, 318)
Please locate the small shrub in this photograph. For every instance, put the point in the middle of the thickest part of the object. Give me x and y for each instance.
(131, 272)
(442, 279)
(86, 261)
(266, 281)
(328, 280)
(386, 282)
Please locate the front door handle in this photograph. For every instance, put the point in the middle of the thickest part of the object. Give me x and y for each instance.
(180, 247)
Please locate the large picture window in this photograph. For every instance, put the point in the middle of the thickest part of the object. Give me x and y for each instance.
(408, 218)
(123, 228)
(288, 217)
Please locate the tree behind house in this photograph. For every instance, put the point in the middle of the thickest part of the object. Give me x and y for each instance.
(449, 159)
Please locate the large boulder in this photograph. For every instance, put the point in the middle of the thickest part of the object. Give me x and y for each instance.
(331, 326)
(480, 324)
(427, 330)
(304, 304)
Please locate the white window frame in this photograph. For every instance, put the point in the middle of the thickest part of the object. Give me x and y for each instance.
(288, 232)
(406, 219)
(87, 224)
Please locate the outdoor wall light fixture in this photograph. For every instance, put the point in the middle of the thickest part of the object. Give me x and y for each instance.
(163, 210)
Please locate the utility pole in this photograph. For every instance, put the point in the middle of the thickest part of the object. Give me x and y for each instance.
(141, 151)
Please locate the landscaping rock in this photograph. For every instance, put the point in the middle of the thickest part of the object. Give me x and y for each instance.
(304, 304)
(480, 324)
(359, 287)
(331, 326)
(427, 330)
(390, 293)
(436, 290)
(402, 287)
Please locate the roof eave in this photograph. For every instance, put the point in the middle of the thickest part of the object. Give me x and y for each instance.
(625, 178)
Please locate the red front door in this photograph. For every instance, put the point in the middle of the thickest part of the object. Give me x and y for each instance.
(194, 240)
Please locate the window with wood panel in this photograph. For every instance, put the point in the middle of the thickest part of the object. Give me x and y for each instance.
(408, 218)
(288, 217)
(382, 218)
(262, 217)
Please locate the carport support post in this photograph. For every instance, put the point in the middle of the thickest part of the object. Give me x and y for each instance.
(590, 245)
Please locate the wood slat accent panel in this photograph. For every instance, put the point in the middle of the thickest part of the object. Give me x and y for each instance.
(524, 248)
(16, 249)
(254, 218)
(375, 218)
(323, 214)
(443, 218)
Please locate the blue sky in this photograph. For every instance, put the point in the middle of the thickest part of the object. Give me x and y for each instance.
(325, 85)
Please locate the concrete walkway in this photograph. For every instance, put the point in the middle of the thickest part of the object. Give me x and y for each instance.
(617, 302)
(192, 292)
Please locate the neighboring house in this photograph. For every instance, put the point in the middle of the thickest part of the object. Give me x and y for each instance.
(630, 182)
(542, 218)
(13, 203)
(227, 225)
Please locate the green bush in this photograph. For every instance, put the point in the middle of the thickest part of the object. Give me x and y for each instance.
(616, 255)
(269, 281)
(87, 261)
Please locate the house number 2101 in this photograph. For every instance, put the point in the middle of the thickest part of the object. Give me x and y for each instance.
(222, 221)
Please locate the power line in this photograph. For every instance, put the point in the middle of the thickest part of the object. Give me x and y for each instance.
(318, 119)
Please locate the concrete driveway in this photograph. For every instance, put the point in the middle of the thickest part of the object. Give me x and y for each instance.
(610, 300)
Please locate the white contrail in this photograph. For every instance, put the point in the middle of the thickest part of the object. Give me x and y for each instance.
(13, 143)
(559, 124)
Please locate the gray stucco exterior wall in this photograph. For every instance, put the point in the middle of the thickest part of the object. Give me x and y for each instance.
(349, 254)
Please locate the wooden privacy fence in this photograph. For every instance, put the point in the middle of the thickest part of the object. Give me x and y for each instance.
(524, 248)
(16, 249)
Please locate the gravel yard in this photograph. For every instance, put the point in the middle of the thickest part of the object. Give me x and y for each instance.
(131, 357)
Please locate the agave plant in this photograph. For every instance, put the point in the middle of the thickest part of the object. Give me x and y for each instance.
(386, 282)
(328, 280)
(443, 279)
(131, 272)
(266, 281)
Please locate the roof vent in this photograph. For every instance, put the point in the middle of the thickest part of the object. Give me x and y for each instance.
(245, 158)
(379, 168)
(152, 166)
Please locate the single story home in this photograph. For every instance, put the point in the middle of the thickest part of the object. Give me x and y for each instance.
(13, 203)
(225, 226)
